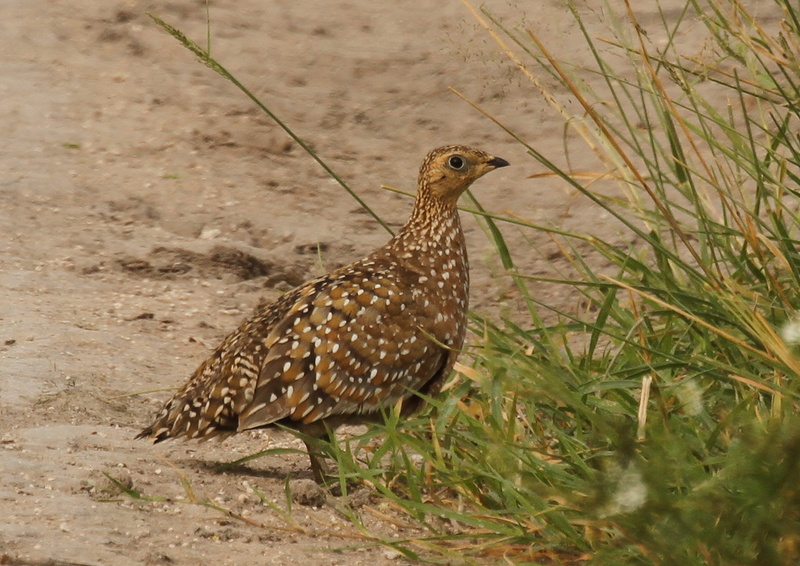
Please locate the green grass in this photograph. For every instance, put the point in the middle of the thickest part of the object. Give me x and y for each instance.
(659, 424)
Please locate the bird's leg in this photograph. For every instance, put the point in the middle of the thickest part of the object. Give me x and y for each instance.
(320, 437)
(319, 467)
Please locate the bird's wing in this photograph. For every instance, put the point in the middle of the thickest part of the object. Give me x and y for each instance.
(209, 404)
(352, 344)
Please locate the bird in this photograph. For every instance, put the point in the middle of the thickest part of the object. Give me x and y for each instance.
(347, 346)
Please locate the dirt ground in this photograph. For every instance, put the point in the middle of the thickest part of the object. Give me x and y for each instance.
(146, 206)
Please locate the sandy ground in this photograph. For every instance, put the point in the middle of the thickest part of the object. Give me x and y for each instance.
(146, 207)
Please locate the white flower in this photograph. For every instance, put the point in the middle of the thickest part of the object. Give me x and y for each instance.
(791, 330)
(691, 397)
(630, 493)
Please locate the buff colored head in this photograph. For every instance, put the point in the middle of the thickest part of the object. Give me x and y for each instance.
(448, 171)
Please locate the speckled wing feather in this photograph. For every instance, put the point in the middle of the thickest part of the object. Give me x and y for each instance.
(345, 344)
(208, 405)
(351, 344)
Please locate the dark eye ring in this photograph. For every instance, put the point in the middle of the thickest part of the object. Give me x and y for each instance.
(456, 162)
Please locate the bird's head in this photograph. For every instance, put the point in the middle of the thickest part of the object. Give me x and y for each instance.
(448, 171)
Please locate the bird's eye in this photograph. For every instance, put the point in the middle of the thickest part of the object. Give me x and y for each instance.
(456, 162)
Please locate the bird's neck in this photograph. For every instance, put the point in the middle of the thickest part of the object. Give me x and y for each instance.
(432, 224)
(433, 255)
(430, 255)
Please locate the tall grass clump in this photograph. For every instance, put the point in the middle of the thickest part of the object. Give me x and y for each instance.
(659, 424)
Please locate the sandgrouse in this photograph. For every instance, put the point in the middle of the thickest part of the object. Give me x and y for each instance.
(342, 347)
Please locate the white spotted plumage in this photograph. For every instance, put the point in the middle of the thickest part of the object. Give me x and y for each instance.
(343, 346)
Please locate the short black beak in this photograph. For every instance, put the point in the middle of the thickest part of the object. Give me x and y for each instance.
(497, 162)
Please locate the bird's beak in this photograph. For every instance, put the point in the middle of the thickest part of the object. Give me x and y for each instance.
(497, 162)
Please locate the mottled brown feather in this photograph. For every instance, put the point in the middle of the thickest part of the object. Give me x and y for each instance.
(341, 347)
